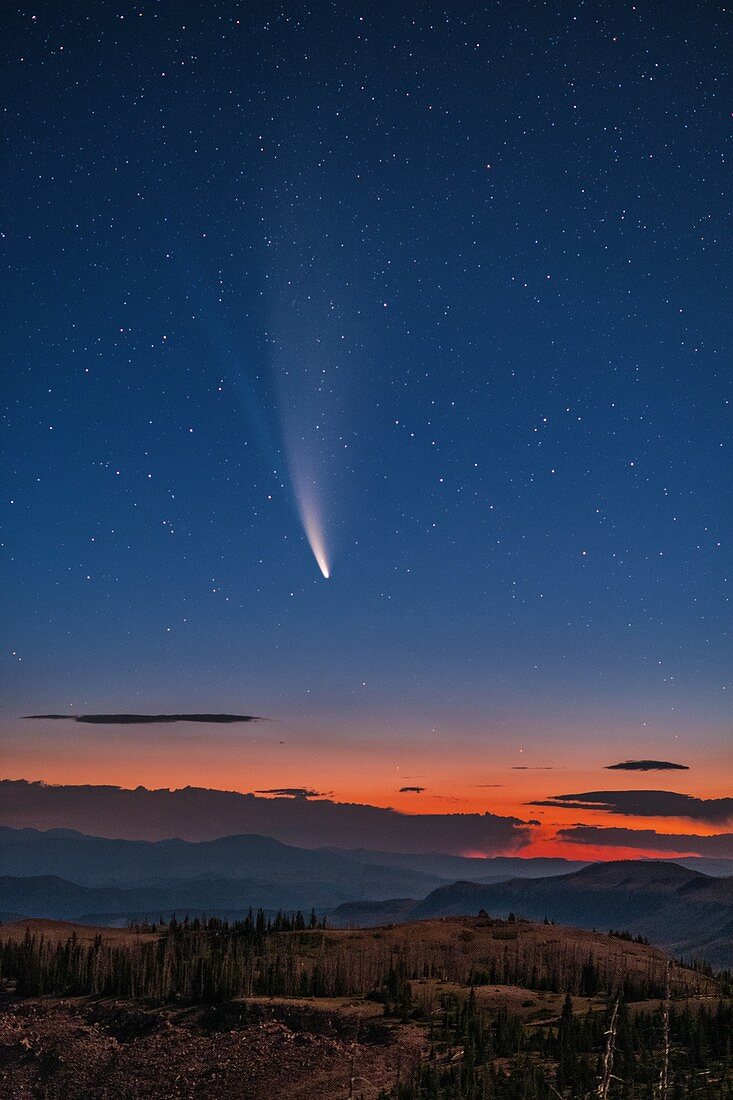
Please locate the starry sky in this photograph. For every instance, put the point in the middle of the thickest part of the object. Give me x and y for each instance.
(433, 297)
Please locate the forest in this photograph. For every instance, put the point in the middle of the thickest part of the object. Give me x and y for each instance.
(667, 1053)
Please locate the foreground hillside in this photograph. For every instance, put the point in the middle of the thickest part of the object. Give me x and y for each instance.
(453, 1009)
(687, 913)
(88, 1050)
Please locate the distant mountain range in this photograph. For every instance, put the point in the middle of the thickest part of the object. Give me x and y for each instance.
(688, 913)
(365, 873)
(64, 874)
(100, 861)
(240, 870)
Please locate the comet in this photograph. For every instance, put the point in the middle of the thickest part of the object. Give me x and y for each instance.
(310, 517)
(305, 354)
(314, 534)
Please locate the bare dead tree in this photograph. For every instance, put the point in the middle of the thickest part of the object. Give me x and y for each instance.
(664, 1071)
(607, 1061)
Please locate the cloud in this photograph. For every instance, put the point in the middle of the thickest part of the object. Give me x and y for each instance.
(146, 719)
(292, 792)
(647, 766)
(645, 804)
(195, 813)
(413, 790)
(526, 768)
(719, 846)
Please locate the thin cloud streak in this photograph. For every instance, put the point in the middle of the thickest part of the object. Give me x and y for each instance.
(145, 719)
(292, 792)
(647, 766)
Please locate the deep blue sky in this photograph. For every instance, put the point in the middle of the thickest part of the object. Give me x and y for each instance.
(469, 269)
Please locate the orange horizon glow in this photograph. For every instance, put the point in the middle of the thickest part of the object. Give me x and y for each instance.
(460, 774)
(543, 841)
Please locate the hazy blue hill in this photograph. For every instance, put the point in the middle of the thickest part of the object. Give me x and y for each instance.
(481, 869)
(595, 893)
(372, 914)
(718, 868)
(98, 861)
(56, 898)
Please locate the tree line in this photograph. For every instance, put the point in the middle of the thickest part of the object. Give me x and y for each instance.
(291, 955)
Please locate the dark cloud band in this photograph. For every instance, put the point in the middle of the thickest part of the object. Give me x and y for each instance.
(645, 804)
(719, 846)
(195, 813)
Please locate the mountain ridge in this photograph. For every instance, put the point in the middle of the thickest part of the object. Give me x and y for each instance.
(680, 910)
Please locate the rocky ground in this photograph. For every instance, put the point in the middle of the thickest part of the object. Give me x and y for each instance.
(83, 1049)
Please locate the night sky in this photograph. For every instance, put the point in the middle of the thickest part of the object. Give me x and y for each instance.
(438, 296)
